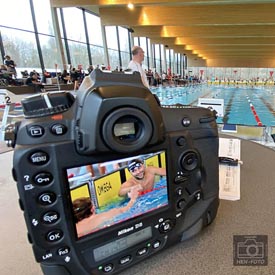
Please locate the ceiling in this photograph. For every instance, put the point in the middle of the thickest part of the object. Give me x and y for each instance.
(218, 33)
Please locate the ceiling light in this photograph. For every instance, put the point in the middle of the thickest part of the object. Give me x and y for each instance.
(130, 6)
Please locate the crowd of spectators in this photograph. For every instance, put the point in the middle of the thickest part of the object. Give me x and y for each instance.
(75, 75)
(170, 79)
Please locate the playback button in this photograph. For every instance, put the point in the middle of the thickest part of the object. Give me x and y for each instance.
(36, 131)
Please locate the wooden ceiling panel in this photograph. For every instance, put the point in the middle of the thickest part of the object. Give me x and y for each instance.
(222, 30)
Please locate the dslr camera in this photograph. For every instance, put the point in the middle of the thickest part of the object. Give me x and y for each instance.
(108, 177)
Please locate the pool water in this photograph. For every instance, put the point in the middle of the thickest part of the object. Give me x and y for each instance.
(246, 105)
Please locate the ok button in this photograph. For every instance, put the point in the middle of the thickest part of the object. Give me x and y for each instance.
(54, 236)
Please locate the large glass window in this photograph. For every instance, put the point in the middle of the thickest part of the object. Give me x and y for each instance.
(112, 45)
(21, 46)
(95, 39)
(136, 41)
(97, 55)
(113, 58)
(143, 44)
(94, 29)
(50, 52)
(168, 59)
(16, 14)
(79, 55)
(42, 10)
(73, 18)
(124, 46)
(111, 37)
(157, 57)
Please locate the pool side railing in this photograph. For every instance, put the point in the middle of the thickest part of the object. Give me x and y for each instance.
(264, 135)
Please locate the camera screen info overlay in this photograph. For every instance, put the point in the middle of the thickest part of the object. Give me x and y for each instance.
(96, 197)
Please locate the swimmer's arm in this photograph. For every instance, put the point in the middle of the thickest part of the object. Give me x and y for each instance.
(157, 171)
(124, 189)
(127, 187)
(116, 211)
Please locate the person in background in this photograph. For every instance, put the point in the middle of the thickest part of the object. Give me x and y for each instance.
(46, 74)
(6, 76)
(90, 69)
(65, 77)
(34, 81)
(10, 65)
(135, 64)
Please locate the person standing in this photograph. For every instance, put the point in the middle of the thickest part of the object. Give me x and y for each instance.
(135, 64)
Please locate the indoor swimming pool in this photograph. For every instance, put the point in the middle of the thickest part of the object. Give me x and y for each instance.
(244, 105)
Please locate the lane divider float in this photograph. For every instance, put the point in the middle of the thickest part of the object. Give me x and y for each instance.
(259, 123)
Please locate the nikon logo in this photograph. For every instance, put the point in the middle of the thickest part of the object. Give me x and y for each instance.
(125, 230)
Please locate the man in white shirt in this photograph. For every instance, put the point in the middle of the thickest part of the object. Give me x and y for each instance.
(135, 64)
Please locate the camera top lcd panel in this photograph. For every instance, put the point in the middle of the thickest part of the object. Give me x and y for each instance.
(109, 177)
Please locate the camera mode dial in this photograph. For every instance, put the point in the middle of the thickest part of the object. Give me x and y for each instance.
(45, 104)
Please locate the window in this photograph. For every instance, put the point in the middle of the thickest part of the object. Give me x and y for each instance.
(124, 46)
(16, 14)
(21, 46)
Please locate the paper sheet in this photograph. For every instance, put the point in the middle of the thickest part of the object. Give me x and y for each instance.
(229, 176)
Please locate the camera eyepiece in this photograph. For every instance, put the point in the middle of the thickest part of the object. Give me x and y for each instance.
(127, 130)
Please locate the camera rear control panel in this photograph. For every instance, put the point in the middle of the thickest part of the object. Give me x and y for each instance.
(42, 206)
(130, 257)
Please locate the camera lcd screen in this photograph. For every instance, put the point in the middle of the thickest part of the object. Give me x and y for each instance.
(109, 193)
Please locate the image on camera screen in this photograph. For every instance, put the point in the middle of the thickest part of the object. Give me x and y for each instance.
(109, 193)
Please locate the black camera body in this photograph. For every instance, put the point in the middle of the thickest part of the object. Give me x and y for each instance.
(64, 143)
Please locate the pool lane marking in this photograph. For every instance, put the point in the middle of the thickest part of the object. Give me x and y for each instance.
(268, 105)
(254, 112)
(228, 109)
(197, 99)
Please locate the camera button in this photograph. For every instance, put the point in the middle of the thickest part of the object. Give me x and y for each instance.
(63, 251)
(36, 131)
(180, 179)
(47, 198)
(50, 217)
(142, 251)
(186, 121)
(125, 260)
(39, 158)
(156, 244)
(166, 226)
(181, 141)
(181, 204)
(54, 236)
(179, 191)
(44, 178)
(108, 268)
(58, 129)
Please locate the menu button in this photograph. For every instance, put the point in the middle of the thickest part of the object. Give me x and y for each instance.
(39, 158)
